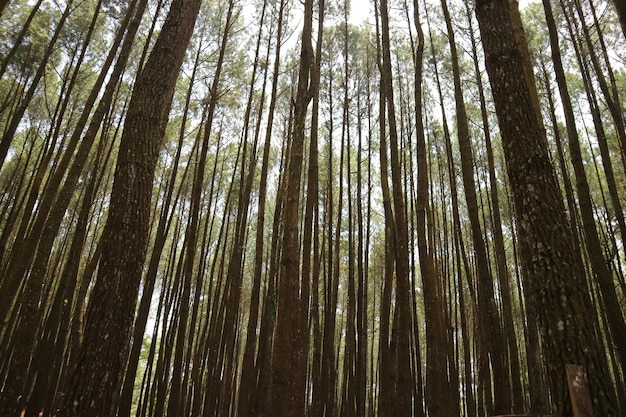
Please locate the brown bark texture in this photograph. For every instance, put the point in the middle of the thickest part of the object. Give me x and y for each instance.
(288, 387)
(103, 355)
(548, 260)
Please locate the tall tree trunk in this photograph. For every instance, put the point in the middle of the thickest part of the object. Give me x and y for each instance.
(403, 404)
(348, 395)
(16, 118)
(162, 230)
(288, 365)
(435, 363)
(548, 260)
(620, 8)
(263, 402)
(598, 123)
(498, 238)
(177, 394)
(312, 228)
(489, 316)
(599, 265)
(459, 252)
(247, 389)
(386, 360)
(362, 298)
(103, 354)
(331, 284)
(610, 93)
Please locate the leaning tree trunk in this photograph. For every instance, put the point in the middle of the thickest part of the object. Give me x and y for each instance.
(16, 118)
(103, 354)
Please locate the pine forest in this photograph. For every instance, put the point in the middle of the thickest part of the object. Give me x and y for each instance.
(312, 208)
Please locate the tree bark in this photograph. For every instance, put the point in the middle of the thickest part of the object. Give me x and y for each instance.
(620, 8)
(489, 316)
(103, 354)
(3, 6)
(288, 364)
(9, 133)
(402, 331)
(599, 264)
(548, 260)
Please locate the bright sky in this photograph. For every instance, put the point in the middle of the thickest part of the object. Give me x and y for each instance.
(360, 10)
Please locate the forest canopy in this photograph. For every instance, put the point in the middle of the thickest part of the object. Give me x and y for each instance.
(311, 208)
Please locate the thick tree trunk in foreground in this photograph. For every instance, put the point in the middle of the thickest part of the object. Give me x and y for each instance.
(103, 355)
(502, 269)
(547, 256)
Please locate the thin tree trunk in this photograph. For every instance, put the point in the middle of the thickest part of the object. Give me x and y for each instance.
(403, 403)
(435, 363)
(611, 97)
(601, 136)
(177, 395)
(16, 118)
(487, 309)
(312, 227)
(248, 384)
(20, 37)
(599, 265)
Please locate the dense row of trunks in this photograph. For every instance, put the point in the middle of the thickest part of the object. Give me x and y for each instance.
(199, 218)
